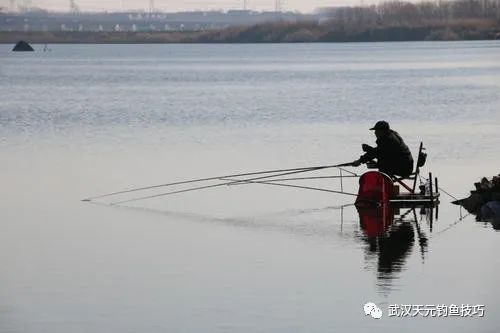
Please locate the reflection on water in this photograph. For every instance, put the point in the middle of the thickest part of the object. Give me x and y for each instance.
(390, 234)
(390, 237)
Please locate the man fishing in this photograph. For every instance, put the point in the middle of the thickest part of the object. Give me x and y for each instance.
(392, 154)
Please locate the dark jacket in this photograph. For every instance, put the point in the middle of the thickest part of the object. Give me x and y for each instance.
(392, 154)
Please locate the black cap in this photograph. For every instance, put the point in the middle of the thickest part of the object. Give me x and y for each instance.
(381, 125)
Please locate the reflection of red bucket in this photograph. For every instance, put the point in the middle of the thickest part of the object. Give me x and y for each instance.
(375, 221)
(375, 188)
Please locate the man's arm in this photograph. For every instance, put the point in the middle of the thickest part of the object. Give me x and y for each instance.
(370, 154)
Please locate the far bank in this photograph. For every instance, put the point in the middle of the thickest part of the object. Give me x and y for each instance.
(272, 33)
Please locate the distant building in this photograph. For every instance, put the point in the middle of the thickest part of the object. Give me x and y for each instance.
(40, 20)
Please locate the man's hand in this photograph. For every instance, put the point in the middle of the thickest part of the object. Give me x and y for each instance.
(366, 147)
(356, 163)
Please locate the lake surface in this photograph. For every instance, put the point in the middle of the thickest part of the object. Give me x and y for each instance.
(83, 120)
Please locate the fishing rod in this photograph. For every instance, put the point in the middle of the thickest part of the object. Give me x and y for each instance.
(273, 182)
(232, 182)
(304, 169)
(293, 178)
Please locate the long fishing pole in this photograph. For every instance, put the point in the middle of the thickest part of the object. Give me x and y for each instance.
(215, 178)
(272, 182)
(292, 171)
(243, 181)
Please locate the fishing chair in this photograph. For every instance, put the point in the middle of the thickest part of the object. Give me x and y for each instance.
(421, 159)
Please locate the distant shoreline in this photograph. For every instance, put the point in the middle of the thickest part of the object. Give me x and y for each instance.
(302, 32)
(391, 21)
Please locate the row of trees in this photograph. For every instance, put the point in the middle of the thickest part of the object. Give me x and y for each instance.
(387, 21)
(401, 12)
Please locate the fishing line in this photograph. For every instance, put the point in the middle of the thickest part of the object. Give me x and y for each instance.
(300, 170)
(451, 225)
(219, 177)
(445, 192)
(295, 178)
(439, 188)
(272, 182)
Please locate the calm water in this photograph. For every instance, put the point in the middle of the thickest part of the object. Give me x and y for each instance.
(86, 119)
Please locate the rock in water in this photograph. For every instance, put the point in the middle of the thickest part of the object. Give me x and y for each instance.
(22, 46)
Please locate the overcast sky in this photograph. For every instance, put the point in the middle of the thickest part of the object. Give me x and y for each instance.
(178, 5)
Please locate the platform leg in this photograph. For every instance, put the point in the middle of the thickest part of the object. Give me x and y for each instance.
(431, 194)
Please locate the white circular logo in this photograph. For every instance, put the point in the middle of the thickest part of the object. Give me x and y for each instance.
(373, 310)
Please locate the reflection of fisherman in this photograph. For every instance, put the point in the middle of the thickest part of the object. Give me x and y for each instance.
(395, 248)
(392, 240)
(392, 154)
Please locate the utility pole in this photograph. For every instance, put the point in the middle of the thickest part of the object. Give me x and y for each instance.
(25, 6)
(244, 4)
(151, 6)
(73, 7)
(277, 6)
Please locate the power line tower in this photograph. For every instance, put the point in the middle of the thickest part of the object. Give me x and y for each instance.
(277, 5)
(151, 6)
(73, 7)
(24, 6)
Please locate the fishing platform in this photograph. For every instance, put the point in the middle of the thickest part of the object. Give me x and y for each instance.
(378, 187)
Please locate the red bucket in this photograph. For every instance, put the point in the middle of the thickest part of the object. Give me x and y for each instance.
(375, 188)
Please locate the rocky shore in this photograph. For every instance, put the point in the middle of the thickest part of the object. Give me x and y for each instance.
(484, 200)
